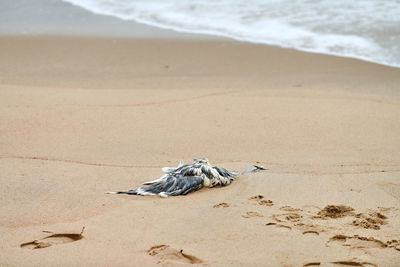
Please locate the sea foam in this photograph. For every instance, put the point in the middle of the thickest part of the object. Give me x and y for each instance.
(363, 29)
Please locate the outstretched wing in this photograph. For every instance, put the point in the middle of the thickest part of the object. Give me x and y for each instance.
(185, 170)
(171, 185)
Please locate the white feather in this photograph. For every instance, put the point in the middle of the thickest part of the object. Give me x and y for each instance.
(163, 194)
(171, 169)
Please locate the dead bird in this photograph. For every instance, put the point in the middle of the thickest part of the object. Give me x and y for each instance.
(187, 178)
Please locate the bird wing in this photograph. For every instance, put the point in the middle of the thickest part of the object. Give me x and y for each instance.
(171, 185)
(225, 173)
(181, 169)
(172, 169)
(156, 180)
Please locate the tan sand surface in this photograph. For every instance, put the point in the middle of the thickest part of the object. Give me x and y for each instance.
(79, 117)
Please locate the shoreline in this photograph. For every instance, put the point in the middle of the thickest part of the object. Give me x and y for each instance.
(54, 18)
(57, 18)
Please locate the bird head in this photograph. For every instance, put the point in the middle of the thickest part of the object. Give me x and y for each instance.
(203, 161)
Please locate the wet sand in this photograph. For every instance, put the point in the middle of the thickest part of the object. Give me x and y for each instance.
(83, 116)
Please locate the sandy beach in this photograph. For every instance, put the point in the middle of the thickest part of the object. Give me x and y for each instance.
(83, 116)
(91, 104)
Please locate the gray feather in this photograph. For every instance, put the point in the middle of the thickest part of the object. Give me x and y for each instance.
(173, 185)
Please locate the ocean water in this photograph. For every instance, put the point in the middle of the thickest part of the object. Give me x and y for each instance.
(363, 29)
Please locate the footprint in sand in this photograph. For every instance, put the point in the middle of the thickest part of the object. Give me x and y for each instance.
(371, 220)
(359, 242)
(322, 219)
(166, 254)
(54, 239)
(251, 214)
(335, 218)
(288, 228)
(296, 218)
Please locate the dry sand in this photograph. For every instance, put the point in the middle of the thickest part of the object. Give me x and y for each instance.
(79, 117)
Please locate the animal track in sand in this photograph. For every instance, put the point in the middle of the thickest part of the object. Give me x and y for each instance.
(251, 214)
(261, 201)
(221, 205)
(265, 202)
(166, 254)
(256, 197)
(54, 239)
